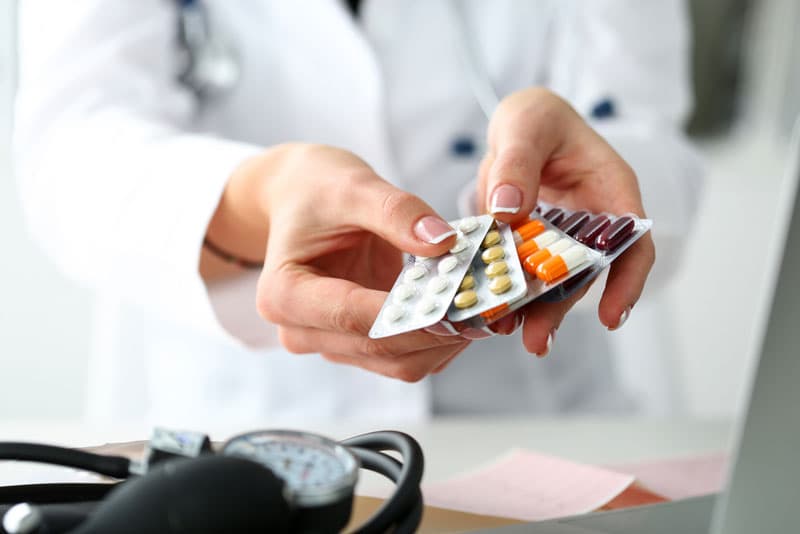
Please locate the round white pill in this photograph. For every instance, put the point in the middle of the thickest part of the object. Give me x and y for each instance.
(461, 244)
(438, 284)
(468, 224)
(448, 264)
(404, 292)
(394, 313)
(427, 305)
(414, 273)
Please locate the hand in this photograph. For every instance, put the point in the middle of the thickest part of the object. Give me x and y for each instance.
(539, 147)
(334, 232)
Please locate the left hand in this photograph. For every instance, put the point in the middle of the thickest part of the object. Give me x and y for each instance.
(539, 147)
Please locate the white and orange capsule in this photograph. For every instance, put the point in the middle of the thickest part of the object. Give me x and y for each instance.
(562, 263)
(527, 231)
(542, 240)
(534, 260)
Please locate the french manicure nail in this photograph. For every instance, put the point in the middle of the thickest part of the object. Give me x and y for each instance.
(506, 198)
(550, 337)
(622, 318)
(433, 230)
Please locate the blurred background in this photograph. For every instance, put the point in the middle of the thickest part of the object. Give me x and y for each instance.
(747, 79)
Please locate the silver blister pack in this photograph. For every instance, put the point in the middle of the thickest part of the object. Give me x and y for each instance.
(425, 287)
(495, 279)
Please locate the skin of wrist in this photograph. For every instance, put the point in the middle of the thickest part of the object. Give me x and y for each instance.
(240, 224)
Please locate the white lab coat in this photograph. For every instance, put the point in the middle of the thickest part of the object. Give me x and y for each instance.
(120, 169)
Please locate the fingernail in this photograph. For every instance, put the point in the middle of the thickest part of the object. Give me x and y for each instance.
(433, 230)
(550, 337)
(622, 318)
(476, 333)
(506, 198)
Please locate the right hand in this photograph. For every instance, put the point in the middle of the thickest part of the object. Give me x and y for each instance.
(331, 232)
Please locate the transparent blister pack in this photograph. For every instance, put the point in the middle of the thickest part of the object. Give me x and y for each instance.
(565, 251)
(425, 287)
(495, 279)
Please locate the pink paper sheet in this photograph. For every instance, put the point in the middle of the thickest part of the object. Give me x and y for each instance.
(528, 486)
(680, 478)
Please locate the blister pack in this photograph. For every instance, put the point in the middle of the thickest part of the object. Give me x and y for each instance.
(495, 269)
(425, 287)
(495, 279)
(562, 250)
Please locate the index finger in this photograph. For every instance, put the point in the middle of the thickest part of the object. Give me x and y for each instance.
(295, 295)
(300, 297)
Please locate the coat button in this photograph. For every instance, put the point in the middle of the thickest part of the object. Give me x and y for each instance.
(604, 109)
(463, 147)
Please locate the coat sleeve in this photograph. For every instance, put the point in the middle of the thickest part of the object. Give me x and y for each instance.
(625, 66)
(115, 185)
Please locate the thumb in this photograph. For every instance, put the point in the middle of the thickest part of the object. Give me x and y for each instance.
(400, 218)
(523, 133)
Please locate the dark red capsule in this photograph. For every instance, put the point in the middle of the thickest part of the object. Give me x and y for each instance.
(555, 215)
(616, 234)
(592, 229)
(574, 222)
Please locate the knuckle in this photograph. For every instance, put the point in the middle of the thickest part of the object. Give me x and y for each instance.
(268, 301)
(376, 348)
(345, 319)
(291, 342)
(395, 203)
(409, 374)
(514, 156)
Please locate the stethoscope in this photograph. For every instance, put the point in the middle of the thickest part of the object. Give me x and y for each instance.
(213, 67)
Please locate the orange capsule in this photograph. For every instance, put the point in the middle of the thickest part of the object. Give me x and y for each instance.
(534, 260)
(537, 243)
(523, 222)
(528, 230)
(562, 263)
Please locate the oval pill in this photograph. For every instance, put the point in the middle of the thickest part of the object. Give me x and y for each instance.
(528, 230)
(534, 260)
(394, 313)
(427, 305)
(414, 273)
(447, 264)
(492, 238)
(461, 244)
(404, 292)
(467, 283)
(465, 299)
(469, 224)
(537, 243)
(500, 284)
(493, 254)
(438, 284)
(561, 264)
(555, 216)
(616, 234)
(496, 268)
(574, 222)
(588, 234)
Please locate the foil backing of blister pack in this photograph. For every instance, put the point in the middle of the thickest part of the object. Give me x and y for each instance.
(425, 287)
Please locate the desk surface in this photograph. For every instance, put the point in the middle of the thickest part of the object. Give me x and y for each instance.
(456, 445)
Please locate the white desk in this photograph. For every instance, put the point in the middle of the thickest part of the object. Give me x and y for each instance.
(456, 445)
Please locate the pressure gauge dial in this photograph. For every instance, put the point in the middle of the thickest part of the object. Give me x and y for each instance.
(317, 471)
